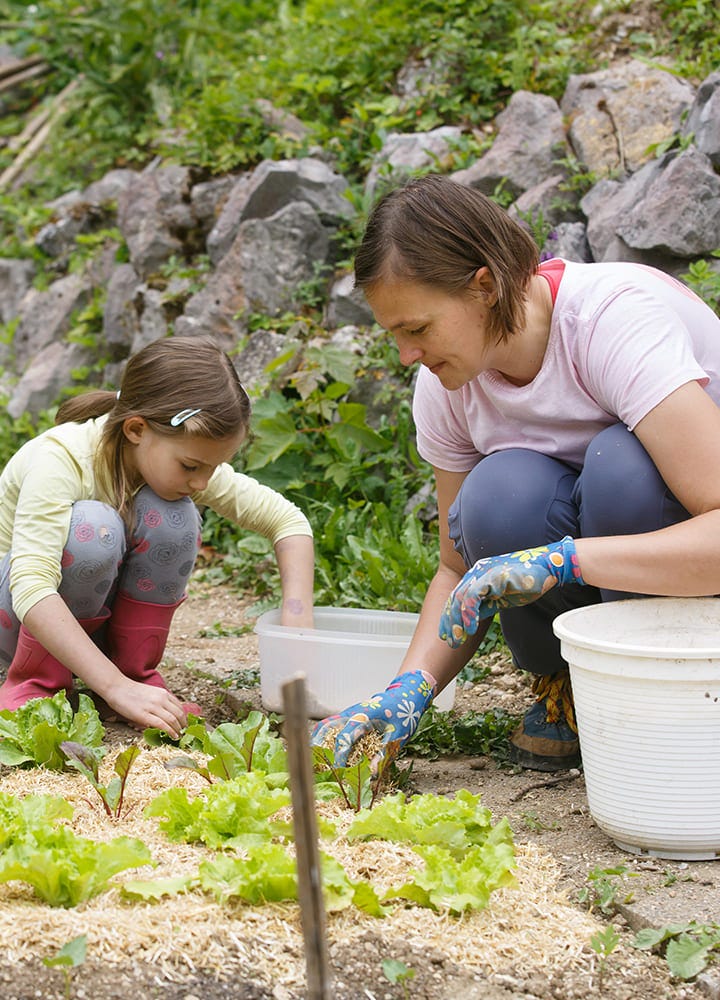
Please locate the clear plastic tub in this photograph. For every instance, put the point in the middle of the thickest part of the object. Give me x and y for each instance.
(349, 655)
(646, 682)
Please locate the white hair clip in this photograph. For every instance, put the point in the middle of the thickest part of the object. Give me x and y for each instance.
(182, 416)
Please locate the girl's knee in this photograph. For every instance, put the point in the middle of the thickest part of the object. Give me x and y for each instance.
(96, 531)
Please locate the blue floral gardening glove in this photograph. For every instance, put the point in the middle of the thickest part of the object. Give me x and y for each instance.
(506, 581)
(394, 713)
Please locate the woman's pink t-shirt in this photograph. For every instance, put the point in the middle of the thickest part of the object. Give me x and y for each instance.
(623, 337)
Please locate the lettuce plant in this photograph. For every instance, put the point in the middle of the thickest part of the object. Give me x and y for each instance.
(32, 734)
(65, 869)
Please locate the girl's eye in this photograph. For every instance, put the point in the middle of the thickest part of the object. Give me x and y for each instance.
(189, 468)
(417, 331)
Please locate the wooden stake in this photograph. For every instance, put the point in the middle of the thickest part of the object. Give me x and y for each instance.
(312, 907)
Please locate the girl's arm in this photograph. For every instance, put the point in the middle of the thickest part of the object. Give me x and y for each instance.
(52, 624)
(296, 561)
(682, 436)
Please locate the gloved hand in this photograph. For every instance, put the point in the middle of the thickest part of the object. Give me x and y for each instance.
(506, 581)
(394, 713)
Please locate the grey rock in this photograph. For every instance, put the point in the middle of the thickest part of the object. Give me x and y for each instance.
(48, 374)
(120, 319)
(703, 122)
(264, 348)
(282, 122)
(548, 201)
(617, 115)
(606, 207)
(207, 199)
(45, 316)
(16, 276)
(277, 183)
(404, 152)
(679, 211)
(279, 254)
(225, 229)
(109, 187)
(530, 141)
(152, 318)
(347, 305)
(568, 240)
(154, 213)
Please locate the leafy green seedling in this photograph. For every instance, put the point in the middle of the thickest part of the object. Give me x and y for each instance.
(359, 783)
(604, 944)
(86, 761)
(33, 734)
(233, 748)
(396, 971)
(68, 958)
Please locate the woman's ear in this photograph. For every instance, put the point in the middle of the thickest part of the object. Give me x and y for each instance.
(134, 428)
(483, 284)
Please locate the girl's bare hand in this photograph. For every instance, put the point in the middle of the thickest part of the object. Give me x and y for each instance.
(146, 706)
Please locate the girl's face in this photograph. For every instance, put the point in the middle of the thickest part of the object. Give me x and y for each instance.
(445, 332)
(175, 466)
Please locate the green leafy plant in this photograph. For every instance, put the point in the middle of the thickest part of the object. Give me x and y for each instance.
(34, 733)
(87, 762)
(359, 783)
(704, 279)
(233, 748)
(445, 733)
(69, 957)
(396, 971)
(230, 814)
(604, 885)
(688, 947)
(64, 869)
(604, 943)
(20, 818)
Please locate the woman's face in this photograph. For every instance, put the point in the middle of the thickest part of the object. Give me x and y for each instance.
(175, 466)
(443, 331)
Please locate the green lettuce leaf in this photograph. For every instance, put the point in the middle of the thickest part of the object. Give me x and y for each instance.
(32, 734)
(266, 874)
(65, 869)
(452, 885)
(234, 813)
(454, 823)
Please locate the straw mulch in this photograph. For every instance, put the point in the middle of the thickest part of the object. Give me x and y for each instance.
(532, 924)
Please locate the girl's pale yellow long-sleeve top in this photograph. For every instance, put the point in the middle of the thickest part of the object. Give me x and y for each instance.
(42, 481)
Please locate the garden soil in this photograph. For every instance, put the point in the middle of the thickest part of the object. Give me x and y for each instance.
(532, 942)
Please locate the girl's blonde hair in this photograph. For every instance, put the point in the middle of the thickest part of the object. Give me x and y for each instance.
(159, 382)
(438, 232)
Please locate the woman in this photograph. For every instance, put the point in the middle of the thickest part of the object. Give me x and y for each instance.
(570, 412)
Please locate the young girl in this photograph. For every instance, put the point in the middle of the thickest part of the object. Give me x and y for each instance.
(99, 530)
(570, 412)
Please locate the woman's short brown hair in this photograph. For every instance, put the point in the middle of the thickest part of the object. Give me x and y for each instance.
(438, 232)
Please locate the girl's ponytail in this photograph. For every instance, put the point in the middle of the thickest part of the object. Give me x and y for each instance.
(91, 404)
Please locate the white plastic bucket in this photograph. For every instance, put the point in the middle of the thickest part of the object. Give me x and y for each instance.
(350, 654)
(646, 681)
